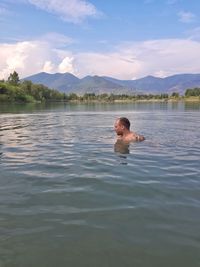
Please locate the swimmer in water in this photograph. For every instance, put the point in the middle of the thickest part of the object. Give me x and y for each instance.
(122, 129)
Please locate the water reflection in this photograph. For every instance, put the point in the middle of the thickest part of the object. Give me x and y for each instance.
(1, 153)
(1, 143)
(192, 106)
(121, 147)
(83, 107)
(122, 150)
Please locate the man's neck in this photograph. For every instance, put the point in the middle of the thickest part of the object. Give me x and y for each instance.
(124, 134)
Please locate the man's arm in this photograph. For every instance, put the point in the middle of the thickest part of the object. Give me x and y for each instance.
(140, 138)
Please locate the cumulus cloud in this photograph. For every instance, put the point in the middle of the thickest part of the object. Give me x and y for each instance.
(30, 57)
(48, 66)
(112, 64)
(186, 17)
(127, 61)
(167, 57)
(68, 10)
(66, 65)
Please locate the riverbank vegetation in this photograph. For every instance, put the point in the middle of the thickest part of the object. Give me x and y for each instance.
(14, 90)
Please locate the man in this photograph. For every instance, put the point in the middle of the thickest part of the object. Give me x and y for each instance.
(122, 129)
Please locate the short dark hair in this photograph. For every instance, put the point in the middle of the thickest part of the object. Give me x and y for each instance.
(125, 122)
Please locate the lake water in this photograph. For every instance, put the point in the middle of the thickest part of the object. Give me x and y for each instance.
(70, 197)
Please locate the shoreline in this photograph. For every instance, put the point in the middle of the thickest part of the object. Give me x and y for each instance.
(78, 101)
(192, 99)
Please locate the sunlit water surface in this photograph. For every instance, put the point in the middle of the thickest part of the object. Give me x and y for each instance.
(70, 197)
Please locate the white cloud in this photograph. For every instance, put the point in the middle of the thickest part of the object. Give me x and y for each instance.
(167, 57)
(28, 58)
(68, 10)
(127, 61)
(186, 17)
(113, 64)
(48, 66)
(66, 65)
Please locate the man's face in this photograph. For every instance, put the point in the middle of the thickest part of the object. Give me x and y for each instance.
(119, 128)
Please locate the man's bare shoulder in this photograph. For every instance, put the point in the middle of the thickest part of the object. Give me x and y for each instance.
(134, 137)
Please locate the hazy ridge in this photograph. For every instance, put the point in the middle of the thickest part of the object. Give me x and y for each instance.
(69, 83)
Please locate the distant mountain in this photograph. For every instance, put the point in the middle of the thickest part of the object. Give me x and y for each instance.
(146, 84)
(97, 84)
(181, 82)
(150, 84)
(68, 83)
(59, 81)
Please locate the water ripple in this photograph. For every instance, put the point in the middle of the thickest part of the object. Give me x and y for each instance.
(62, 178)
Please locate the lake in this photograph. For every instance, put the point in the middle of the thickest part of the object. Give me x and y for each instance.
(70, 197)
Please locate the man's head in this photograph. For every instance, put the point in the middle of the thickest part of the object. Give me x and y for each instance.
(121, 125)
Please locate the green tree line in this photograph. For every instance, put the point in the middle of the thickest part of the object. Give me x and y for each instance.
(192, 92)
(13, 90)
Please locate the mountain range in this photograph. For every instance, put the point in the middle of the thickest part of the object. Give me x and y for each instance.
(68, 83)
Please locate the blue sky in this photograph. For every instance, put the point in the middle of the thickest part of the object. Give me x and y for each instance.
(126, 39)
